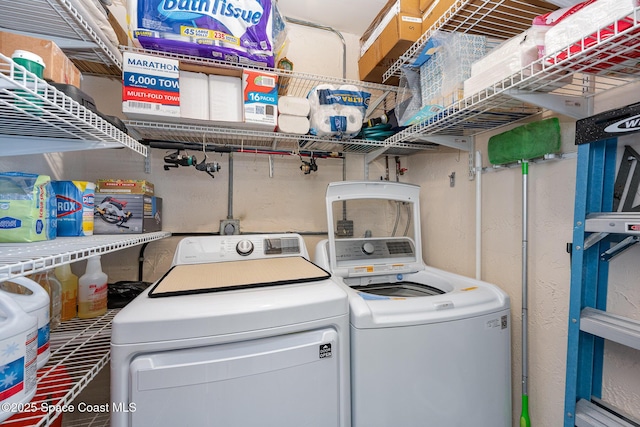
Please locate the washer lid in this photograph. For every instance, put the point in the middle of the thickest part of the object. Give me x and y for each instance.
(455, 297)
(383, 234)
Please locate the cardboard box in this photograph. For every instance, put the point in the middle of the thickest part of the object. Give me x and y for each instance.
(58, 67)
(225, 105)
(395, 31)
(152, 218)
(194, 95)
(124, 186)
(150, 86)
(260, 99)
(384, 17)
(117, 213)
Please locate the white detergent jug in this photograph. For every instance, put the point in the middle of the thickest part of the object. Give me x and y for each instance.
(18, 356)
(36, 303)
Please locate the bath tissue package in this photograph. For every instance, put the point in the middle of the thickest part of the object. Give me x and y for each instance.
(27, 208)
(337, 111)
(194, 95)
(246, 32)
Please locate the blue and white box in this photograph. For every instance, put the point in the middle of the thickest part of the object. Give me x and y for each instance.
(150, 86)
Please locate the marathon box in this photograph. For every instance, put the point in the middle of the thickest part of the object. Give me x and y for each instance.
(118, 213)
(150, 86)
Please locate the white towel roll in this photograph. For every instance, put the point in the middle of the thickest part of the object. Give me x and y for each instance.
(314, 100)
(354, 115)
(293, 106)
(293, 124)
(351, 88)
(354, 119)
(327, 123)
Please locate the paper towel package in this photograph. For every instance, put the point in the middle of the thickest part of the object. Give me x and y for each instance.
(150, 86)
(593, 22)
(240, 31)
(225, 99)
(194, 95)
(260, 99)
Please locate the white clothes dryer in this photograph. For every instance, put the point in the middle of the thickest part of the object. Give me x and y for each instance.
(428, 347)
(242, 331)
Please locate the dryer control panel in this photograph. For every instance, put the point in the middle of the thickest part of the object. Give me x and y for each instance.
(195, 250)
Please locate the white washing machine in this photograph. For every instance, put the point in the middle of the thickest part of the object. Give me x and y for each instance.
(242, 331)
(428, 347)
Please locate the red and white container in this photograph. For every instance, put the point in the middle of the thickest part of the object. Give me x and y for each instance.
(18, 356)
(35, 301)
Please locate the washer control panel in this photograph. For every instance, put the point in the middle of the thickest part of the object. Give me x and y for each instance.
(365, 257)
(374, 249)
(192, 250)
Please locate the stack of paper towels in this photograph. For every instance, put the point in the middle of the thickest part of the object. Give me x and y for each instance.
(337, 111)
(293, 115)
(211, 97)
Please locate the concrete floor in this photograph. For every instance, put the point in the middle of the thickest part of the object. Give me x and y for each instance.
(97, 392)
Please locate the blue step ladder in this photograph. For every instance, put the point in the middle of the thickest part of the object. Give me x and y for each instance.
(600, 233)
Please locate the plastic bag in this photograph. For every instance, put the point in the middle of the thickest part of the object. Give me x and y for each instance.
(337, 111)
(409, 99)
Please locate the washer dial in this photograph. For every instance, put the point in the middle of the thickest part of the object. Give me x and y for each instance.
(368, 248)
(244, 247)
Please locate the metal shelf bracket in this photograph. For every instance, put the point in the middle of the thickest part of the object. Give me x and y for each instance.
(573, 106)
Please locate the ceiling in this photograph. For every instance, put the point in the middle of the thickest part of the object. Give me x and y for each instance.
(346, 16)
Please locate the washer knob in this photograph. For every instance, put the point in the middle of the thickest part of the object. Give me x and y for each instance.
(368, 248)
(244, 247)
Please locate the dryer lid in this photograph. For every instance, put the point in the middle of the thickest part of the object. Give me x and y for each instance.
(188, 279)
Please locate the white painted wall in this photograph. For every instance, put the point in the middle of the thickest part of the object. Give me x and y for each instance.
(449, 243)
(291, 201)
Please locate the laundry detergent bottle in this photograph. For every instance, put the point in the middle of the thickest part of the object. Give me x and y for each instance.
(54, 288)
(34, 300)
(18, 353)
(69, 291)
(92, 290)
